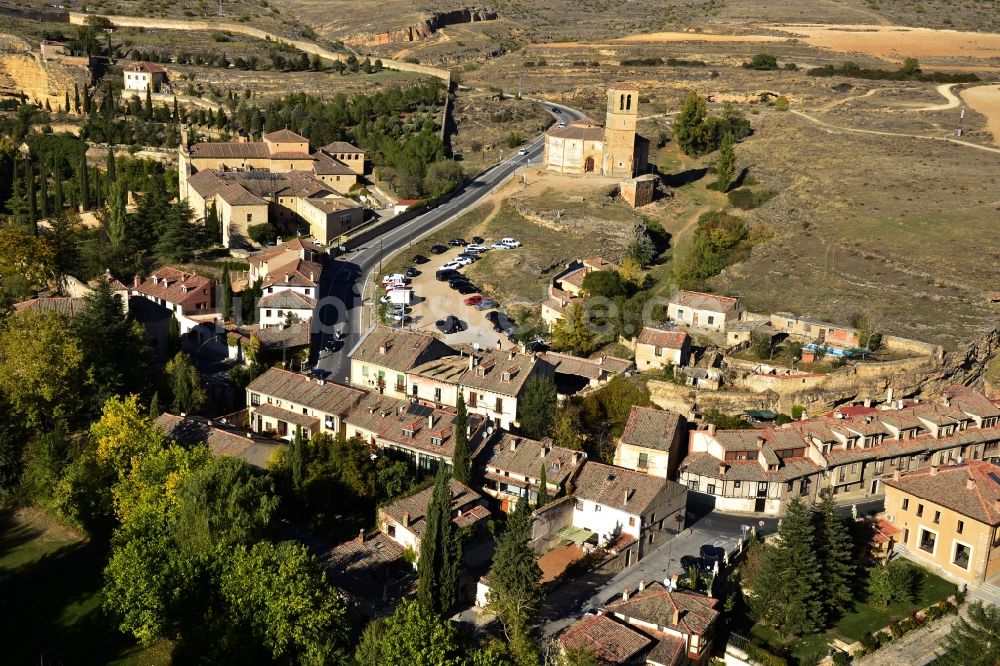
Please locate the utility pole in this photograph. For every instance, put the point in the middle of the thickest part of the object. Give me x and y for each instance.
(520, 78)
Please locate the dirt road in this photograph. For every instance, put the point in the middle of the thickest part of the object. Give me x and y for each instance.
(986, 100)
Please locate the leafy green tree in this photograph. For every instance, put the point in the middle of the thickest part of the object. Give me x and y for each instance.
(393, 478)
(762, 61)
(835, 552)
(461, 465)
(687, 125)
(413, 635)
(536, 409)
(440, 552)
(786, 588)
(910, 66)
(606, 283)
(515, 585)
(179, 238)
(880, 591)
(577, 656)
(442, 177)
(185, 384)
(263, 234)
(642, 250)
(572, 333)
(567, 431)
(974, 638)
(725, 166)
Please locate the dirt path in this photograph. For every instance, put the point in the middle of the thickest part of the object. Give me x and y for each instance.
(840, 128)
(838, 102)
(986, 100)
(945, 90)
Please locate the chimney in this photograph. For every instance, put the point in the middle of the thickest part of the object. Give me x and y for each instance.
(576, 457)
(673, 582)
(970, 484)
(760, 442)
(382, 350)
(472, 361)
(642, 584)
(711, 428)
(288, 277)
(543, 451)
(361, 536)
(934, 470)
(896, 475)
(136, 282)
(722, 469)
(625, 595)
(868, 402)
(600, 361)
(312, 276)
(514, 442)
(676, 617)
(498, 345)
(430, 420)
(406, 519)
(513, 354)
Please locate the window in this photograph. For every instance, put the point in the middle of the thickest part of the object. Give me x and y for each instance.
(962, 555)
(928, 541)
(305, 411)
(597, 507)
(711, 489)
(906, 535)
(737, 484)
(680, 314)
(693, 485)
(499, 405)
(843, 474)
(254, 399)
(249, 217)
(790, 487)
(631, 521)
(643, 461)
(364, 371)
(906, 504)
(391, 533)
(658, 351)
(854, 468)
(579, 505)
(407, 433)
(267, 313)
(711, 319)
(961, 526)
(937, 517)
(437, 395)
(920, 510)
(437, 441)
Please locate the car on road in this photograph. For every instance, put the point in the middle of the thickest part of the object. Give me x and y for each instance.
(712, 555)
(453, 265)
(446, 274)
(448, 325)
(400, 317)
(474, 300)
(562, 124)
(500, 246)
(522, 152)
(486, 304)
(420, 259)
(439, 249)
(467, 288)
(556, 109)
(412, 272)
(510, 242)
(457, 242)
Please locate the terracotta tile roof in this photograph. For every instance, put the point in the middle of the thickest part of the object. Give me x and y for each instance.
(659, 337)
(333, 204)
(296, 248)
(599, 264)
(575, 278)
(287, 299)
(340, 147)
(523, 456)
(64, 305)
(705, 464)
(285, 136)
(656, 605)
(357, 556)
(884, 530)
(398, 350)
(971, 489)
(237, 195)
(188, 431)
(970, 401)
(702, 301)
(466, 508)
(275, 337)
(608, 640)
(328, 397)
(148, 67)
(177, 287)
(328, 166)
(669, 650)
(229, 149)
(282, 414)
(597, 368)
(501, 372)
(651, 428)
(623, 489)
(581, 130)
(296, 273)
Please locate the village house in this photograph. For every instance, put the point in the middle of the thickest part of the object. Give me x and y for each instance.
(760, 470)
(281, 402)
(705, 311)
(421, 435)
(573, 374)
(143, 76)
(657, 347)
(514, 468)
(615, 150)
(273, 262)
(368, 570)
(949, 518)
(633, 510)
(405, 520)
(568, 286)
(495, 381)
(384, 357)
(68, 306)
(221, 438)
(187, 297)
(285, 306)
(652, 442)
(814, 330)
(653, 626)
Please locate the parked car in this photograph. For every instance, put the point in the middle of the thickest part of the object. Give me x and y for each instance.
(394, 278)
(439, 249)
(467, 288)
(446, 274)
(510, 242)
(492, 316)
(500, 246)
(478, 240)
(711, 554)
(400, 317)
(563, 124)
(471, 256)
(504, 324)
(457, 242)
(486, 304)
(453, 266)
(475, 249)
(449, 324)
(457, 279)
(463, 261)
(474, 300)
(420, 259)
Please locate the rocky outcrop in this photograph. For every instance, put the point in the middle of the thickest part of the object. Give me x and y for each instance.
(916, 377)
(425, 28)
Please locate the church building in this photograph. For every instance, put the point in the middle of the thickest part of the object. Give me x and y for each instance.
(614, 150)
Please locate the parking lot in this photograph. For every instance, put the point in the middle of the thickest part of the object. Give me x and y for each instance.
(434, 300)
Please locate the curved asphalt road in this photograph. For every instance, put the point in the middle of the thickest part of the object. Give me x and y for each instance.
(345, 279)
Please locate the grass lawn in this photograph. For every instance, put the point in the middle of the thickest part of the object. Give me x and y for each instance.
(50, 580)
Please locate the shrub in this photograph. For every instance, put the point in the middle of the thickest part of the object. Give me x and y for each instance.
(781, 103)
(870, 642)
(762, 61)
(747, 199)
(263, 234)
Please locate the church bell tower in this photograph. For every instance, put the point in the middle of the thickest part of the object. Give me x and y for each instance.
(619, 132)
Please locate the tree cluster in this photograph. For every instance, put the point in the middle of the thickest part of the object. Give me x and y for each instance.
(698, 133)
(717, 239)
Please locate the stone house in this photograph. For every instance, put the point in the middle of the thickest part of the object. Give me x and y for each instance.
(280, 402)
(513, 470)
(948, 518)
(143, 76)
(271, 262)
(221, 439)
(657, 347)
(652, 442)
(405, 520)
(275, 309)
(760, 470)
(705, 311)
(568, 286)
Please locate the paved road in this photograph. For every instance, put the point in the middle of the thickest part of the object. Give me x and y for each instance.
(344, 310)
(589, 592)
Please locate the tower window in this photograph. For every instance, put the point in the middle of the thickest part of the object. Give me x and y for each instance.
(628, 103)
(621, 103)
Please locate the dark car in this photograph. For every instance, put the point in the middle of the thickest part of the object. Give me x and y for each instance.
(478, 240)
(467, 288)
(492, 316)
(538, 345)
(449, 324)
(472, 256)
(439, 249)
(457, 242)
(504, 324)
(420, 259)
(412, 272)
(457, 279)
(486, 304)
(689, 561)
(711, 554)
(446, 275)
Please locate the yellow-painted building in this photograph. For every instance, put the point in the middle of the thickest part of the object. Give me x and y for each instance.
(949, 518)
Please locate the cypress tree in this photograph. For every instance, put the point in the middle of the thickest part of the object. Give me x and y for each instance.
(88, 104)
(43, 188)
(148, 110)
(66, 108)
(57, 176)
(110, 171)
(440, 551)
(116, 217)
(76, 98)
(84, 184)
(29, 182)
(296, 460)
(154, 405)
(461, 467)
(725, 166)
(176, 115)
(543, 484)
(834, 550)
(212, 225)
(227, 294)
(98, 190)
